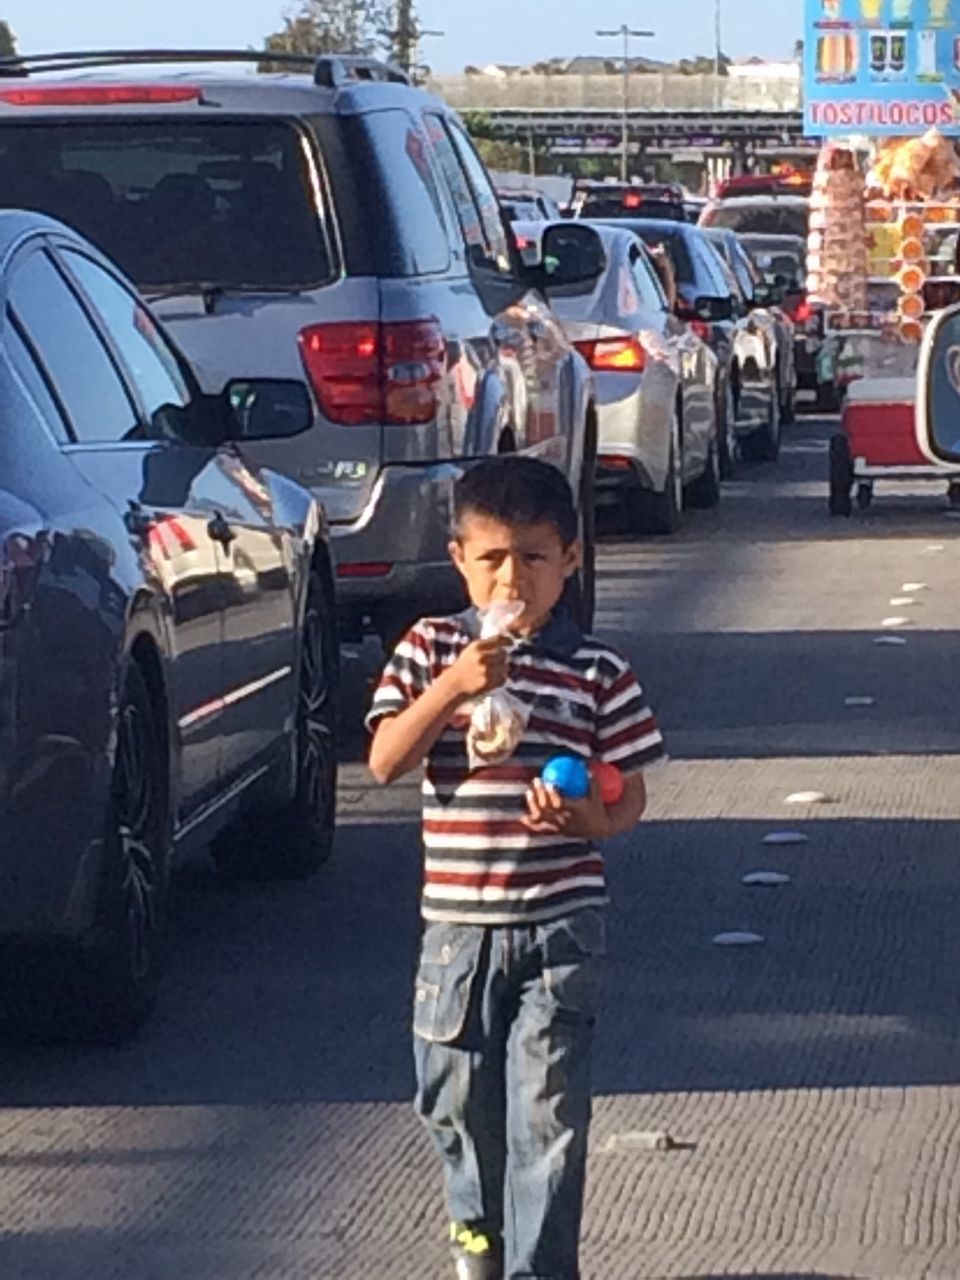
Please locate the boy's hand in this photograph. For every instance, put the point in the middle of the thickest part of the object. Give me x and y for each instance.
(550, 813)
(483, 666)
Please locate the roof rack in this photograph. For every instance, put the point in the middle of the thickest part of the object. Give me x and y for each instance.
(330, 71)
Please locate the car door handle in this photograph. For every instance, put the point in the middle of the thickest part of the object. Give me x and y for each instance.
(220, 531)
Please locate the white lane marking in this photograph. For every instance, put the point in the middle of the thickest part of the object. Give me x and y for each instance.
(786, 838)
(766, 879)
(737, 938)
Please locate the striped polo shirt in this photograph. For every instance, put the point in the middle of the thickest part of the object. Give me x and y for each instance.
(482, 865)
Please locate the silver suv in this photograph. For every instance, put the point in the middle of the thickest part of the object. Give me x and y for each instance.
(339, 223)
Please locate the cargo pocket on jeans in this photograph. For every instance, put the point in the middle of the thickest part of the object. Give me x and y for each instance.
(449, 962)
(571, 948)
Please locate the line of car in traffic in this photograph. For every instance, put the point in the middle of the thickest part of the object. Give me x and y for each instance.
(254, 328)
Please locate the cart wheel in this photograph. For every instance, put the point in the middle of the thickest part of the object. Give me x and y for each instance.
(841, 477)
(953, 495)
(864, 496)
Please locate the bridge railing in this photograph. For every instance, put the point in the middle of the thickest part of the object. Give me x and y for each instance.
(647, 92)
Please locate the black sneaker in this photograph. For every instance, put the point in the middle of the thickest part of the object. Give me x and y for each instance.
(477, 1255)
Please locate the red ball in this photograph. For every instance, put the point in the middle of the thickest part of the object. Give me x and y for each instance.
(610, 781)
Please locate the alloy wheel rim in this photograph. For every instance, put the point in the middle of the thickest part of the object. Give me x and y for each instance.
(314, 731)
(136, 807)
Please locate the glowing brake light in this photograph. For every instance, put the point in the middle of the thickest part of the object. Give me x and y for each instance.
(99, 95)
(632, 200)
(802, 312)
(614, 355)
(701, 328)
(367, 373)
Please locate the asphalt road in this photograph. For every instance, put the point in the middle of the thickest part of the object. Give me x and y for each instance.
(811, 1083)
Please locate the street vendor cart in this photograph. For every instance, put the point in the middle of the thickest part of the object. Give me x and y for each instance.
(883, 258)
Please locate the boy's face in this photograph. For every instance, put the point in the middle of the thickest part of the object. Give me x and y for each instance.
(514, 562)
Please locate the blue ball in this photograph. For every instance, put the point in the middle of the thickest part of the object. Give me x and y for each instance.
(569, 775)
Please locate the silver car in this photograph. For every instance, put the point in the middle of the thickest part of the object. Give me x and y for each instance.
(656, 381)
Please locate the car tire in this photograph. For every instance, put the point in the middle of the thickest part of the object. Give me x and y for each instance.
(704, 492)
(727, 434)
(841, 477)
(661, 513)
(788, 409)
(103, 991)
(763, 445)
(828, 397)
(292, 838)
(580, 594)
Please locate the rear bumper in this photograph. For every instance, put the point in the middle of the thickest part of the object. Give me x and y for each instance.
(634, 422)
(394, 556)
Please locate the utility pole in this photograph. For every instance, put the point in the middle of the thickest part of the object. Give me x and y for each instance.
(405, 36)
(718, 62)
(626, 33)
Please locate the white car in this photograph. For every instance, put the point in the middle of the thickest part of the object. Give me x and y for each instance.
(657, 382)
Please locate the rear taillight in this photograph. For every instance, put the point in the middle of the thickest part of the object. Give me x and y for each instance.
(701, 328)
(100, 95)
(614, 355)
(800, 313)
(375, 373)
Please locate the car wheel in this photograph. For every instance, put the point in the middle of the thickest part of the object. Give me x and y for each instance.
(292, 838)
(109, 987)
(788, 409)
(661, 513)
(727, 434)
(841, 477)
(763, 445)
(828, 397)
(704, 492)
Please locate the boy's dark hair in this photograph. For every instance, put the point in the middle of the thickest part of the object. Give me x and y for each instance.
(517, 490)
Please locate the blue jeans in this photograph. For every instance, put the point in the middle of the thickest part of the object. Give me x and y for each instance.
(503, 1022)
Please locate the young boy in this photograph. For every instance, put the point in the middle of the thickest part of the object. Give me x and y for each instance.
(514, 887)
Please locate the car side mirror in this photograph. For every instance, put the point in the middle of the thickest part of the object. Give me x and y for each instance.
(938, 388)
(570, 255)
(266, 408)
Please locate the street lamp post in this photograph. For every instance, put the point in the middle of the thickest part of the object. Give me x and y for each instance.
(626, 32)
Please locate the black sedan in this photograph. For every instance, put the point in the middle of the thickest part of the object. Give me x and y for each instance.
(168, 655)
(750, 393)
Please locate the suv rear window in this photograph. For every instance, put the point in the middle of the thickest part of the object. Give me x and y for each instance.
(762, 219)
(629, 202)
(176, 202)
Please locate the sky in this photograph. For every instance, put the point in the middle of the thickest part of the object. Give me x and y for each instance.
(509, 31)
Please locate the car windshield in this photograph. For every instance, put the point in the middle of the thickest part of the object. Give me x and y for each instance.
(176, 202)
(765, 219)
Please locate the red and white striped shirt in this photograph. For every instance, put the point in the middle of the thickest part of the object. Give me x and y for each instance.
(482, 865)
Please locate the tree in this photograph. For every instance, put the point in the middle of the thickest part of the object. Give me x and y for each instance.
(333, 26)
(8, 41)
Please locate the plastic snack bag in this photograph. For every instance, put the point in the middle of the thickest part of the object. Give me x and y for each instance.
(498, 721)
